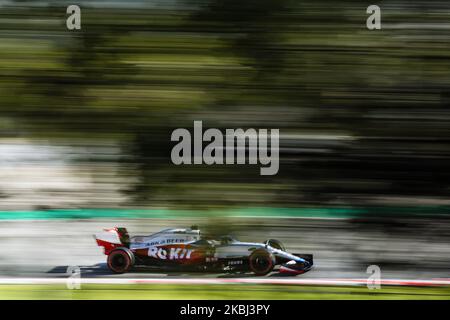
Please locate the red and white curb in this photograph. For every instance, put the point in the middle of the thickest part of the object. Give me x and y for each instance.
(193, 281)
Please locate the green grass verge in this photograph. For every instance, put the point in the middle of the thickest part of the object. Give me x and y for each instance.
(223, 291)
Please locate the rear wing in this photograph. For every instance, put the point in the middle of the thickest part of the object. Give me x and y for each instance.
(112, 238)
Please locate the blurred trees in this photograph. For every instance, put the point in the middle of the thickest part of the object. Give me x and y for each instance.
(363, 114)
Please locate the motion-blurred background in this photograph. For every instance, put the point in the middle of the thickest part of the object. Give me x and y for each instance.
(86, 117)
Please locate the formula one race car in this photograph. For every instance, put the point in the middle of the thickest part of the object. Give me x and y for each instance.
(185, 249)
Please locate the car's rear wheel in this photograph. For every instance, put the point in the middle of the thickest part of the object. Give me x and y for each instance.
(274, 243)
(261, 262)
(120, 260)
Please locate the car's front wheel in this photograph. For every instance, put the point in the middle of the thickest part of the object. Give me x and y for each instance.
(261, 262)
(120, 260)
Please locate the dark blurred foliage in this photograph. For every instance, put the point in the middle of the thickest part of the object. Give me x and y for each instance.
(363, 115)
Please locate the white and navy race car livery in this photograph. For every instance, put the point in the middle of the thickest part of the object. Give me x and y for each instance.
(185, 248)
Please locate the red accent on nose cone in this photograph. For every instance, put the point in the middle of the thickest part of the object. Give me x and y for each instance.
(287, 270)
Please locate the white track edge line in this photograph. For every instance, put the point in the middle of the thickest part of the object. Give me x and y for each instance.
(342, 282)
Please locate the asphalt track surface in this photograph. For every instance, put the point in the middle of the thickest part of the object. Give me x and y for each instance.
(46, 249)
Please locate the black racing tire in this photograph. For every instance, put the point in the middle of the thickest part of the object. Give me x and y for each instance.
(120, 260)
(277, 244)
(261, 262)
